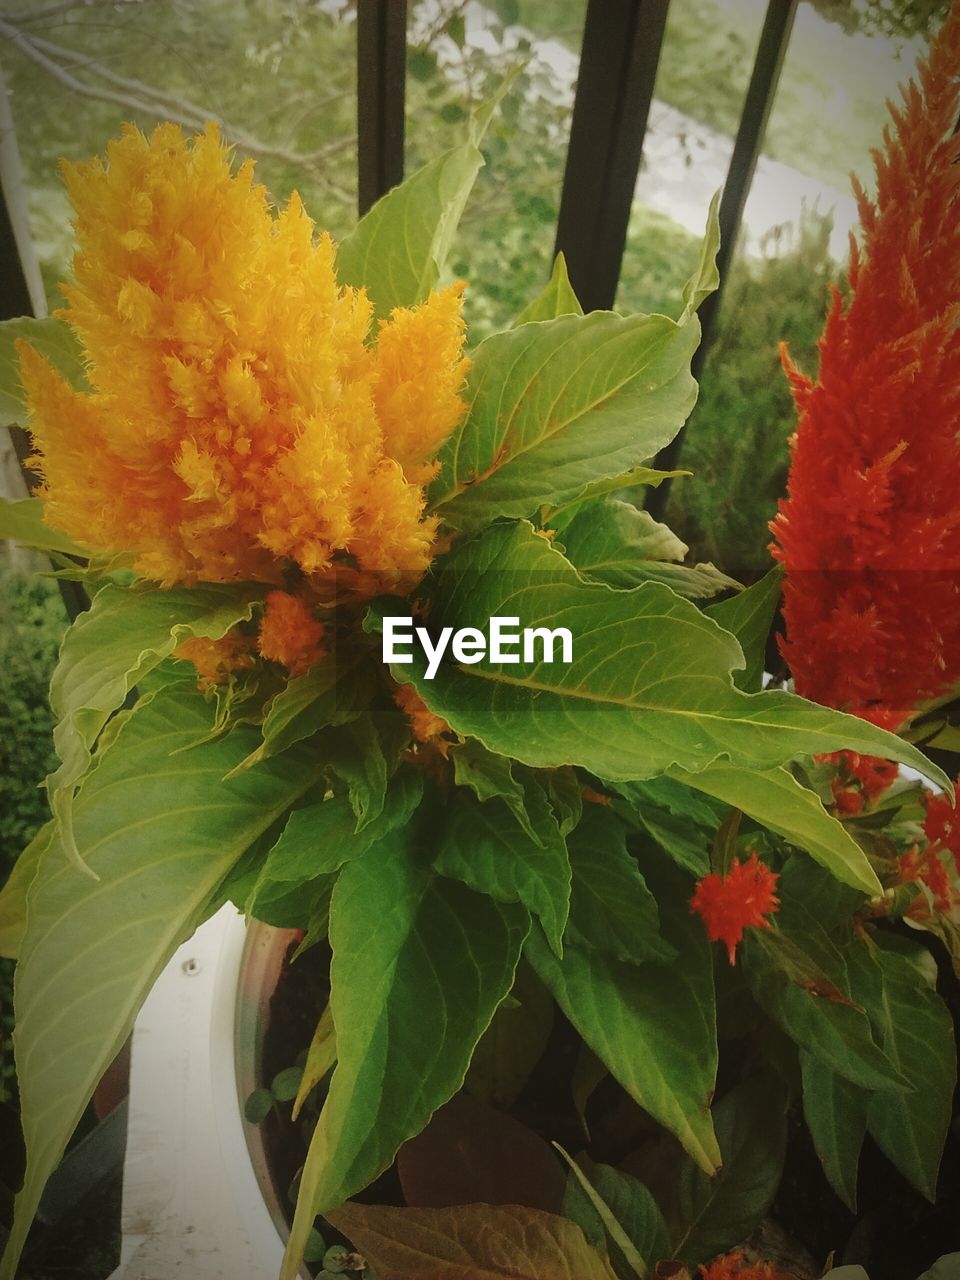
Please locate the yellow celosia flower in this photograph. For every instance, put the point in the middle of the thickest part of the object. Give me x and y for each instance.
(239, 419)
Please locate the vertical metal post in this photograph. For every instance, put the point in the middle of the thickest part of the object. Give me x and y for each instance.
(618, 66)
(381, 83)
(771, 51)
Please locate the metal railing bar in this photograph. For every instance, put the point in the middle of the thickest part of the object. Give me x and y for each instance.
(381, 86)
(618, 66)
(761, 92)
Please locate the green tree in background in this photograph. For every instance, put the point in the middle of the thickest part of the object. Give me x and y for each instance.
(736, 440)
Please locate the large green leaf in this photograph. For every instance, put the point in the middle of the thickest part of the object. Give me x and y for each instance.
(470, 1242)
(420, 964)
(915, 1030)
(649, 686)
(160, 830)
(775, 799)
(748, 615)
(126, 633)
(811, 1006)
(836, 1114)
(557, 299)
(13, 894)
(22, 520)
(614, 542)
(653, 1026)
(555, 406)
(483, 845)
(53, 339)
(611, 908)
(715, 1213)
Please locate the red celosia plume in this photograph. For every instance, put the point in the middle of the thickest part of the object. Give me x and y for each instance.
(870, 530)
(741, 899)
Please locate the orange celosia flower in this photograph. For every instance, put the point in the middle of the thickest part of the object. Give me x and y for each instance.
(741, 899)
(733, 1266)
(217, 660)
(239, 416)
(426, 726)
(870, 530)
(289, 633)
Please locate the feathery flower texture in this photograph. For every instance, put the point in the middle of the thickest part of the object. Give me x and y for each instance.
(870, 530)
(242, 420)
(742, 899)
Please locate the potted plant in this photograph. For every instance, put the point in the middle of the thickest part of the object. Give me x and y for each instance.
(415, 675)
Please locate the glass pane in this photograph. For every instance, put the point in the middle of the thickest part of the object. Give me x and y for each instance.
(278, 74)
(458, 55)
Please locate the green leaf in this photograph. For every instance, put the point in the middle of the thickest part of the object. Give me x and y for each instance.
(514, 1042)
(611, 908)
(490, 777)
(22, 520)
(13, 894)
(126, 633)
(812, 1012)
(653, 1026)
(483, 846)
(53, 339)
(614, 542)
(319, 839)
(399, 247)
(945, 1268)
(775, 799)
(286, 1084)
(715, 1213)
(470, 1242)
(915, 1030)
(321, 1057)
(836, 1115)
(749, 615)
(258, 1106)
(556, 406)
(559, 517)
(649, 686)
(617, 1214)
(686, 844)
(355, 756)
(706, 278)
(420, 964)
(330, 693)
(160, 831)
(557, 299)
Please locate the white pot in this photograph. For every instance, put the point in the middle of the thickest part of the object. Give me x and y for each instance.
(198, 1200)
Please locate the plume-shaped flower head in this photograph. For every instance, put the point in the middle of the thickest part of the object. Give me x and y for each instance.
(870, 530)
(242, 421)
